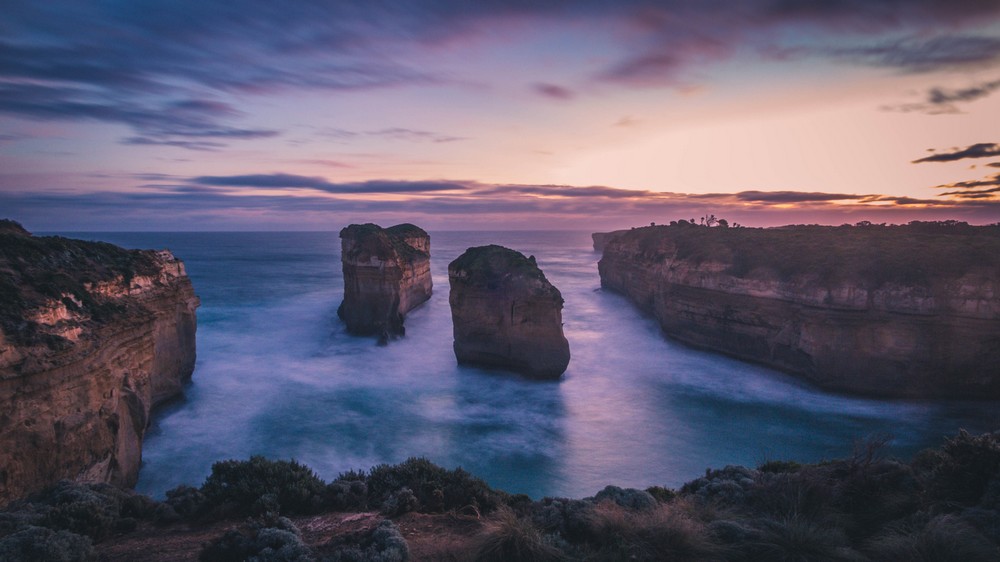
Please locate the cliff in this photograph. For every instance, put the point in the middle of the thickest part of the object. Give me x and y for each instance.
(386, 274)
(601, 239)
(903, 311)
(506, 313)
(92, 336)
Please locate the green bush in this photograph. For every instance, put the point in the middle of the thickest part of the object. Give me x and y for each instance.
(272, 539)
(384, 543)
(435, 488)
(39, 544)
(238, 486)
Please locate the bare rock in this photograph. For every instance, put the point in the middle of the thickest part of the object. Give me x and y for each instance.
(506, 313)
(92, 336)
(386, 274)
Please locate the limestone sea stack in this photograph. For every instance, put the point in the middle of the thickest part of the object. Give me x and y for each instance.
(506, 314)
(387, 273)
(92, 336)
(896, 311)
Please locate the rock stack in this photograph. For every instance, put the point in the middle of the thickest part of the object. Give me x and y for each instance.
(386, 274)
(506, 314)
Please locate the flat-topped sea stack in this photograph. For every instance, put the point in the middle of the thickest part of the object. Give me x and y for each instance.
(387, 273)
(92, 336)
(506, 314)
(897, 311)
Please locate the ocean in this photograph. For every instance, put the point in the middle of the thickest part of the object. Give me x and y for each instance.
(277, 375)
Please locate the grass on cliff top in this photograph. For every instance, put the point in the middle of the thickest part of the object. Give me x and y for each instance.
(495, 260)
(911, 254)
(34, 270)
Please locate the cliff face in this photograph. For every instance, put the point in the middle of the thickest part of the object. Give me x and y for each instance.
(506, 313)
(601, 239)
(92, 336)
(386, 274)
(887, 311)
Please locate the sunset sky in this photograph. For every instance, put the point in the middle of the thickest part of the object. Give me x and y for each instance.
(461, 114)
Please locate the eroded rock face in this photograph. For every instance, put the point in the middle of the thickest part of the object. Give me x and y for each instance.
(601, 239)
(92, 336)
(908, 311)
(506, 313)
(387, 273)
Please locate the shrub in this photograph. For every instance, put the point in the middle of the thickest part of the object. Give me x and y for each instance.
(272, 539)
(945, 538)
(347, 495)
(666, 532)
(796, 539)
(728, 486)
(185, 501)
(39, 544)
(399, 502)
(508, 537)
(240, 485)
(661, 494)
(629, 498)
(382, 544)
(569, 518)
(965, 469)
(779, 467)
(435, 488)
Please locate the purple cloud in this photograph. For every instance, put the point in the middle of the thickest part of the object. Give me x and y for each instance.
(979, 150)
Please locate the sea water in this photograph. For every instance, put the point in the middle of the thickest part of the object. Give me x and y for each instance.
(277, 375)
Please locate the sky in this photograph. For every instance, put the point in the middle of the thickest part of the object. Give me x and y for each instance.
(489, 114)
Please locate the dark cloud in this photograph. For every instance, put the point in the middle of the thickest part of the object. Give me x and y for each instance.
(391, 133)
(979, 150)
(129, 62)
(944, 100)
(977, 189)
(552, 91)
(926, 55)
(291, 181)
(994, 164)
(793, 196)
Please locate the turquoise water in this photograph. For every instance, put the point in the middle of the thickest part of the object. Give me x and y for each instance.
(277, 375)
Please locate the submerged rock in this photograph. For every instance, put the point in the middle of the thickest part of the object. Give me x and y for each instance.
(386, 274)
(92, 336)
(506, 313)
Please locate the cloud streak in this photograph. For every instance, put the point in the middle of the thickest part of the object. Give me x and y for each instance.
(979, 150)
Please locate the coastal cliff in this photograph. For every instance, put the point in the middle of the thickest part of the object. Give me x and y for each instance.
(506, 313)
(901, 311)
(387, 273)
(92, 336)
(601, 239)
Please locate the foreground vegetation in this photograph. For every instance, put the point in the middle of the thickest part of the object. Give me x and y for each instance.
(943, 505)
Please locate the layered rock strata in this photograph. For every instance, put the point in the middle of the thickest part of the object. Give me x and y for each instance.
(506, 314)
(387, 273)
(900, 311)
(92, 336)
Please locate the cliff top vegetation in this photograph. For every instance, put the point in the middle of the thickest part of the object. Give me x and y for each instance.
(943, 505)
(35, 270)
(492, 264)
(373, 239)
(912, 254)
